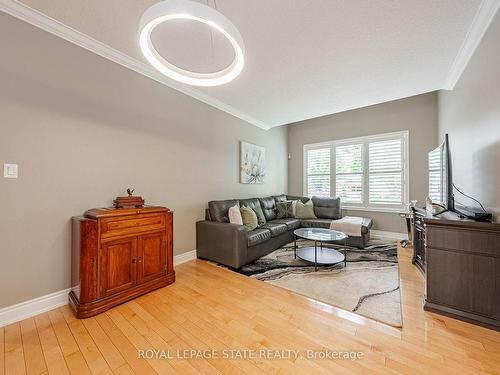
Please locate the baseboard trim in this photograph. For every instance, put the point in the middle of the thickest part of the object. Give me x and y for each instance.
(388, 235)
(184, 257)
(27, 309)
(39, 305)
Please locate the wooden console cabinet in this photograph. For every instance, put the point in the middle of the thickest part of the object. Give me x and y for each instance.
(418, 258)
(119, 254)
(462, 269)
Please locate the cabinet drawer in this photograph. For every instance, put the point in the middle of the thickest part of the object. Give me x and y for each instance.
(129, 225)
(464, 240)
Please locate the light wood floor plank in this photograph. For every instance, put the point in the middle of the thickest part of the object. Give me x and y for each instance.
(205, 318)
(71, 352)
(108, 350)
(2, 352)
(139, 341)
(159, 337)
(88, 348)
(213, 308)
(124, 346)
(124, 370)
(54, 358)
(14, 355)
(33, 354)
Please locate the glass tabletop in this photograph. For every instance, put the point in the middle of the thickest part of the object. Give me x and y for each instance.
(320, 234)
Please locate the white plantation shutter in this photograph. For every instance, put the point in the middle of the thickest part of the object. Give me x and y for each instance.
(385, 164)
(367, 172)
(349, 173)
(318, 172)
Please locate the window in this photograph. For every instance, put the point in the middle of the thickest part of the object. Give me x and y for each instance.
(318, 172)
(349, 173)
(366, 173)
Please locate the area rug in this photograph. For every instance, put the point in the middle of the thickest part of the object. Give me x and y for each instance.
(368, 285)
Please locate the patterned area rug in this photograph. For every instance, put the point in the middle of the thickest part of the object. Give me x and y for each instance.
(368, 285)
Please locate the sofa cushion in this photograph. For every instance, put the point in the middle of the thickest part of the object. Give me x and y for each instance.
(297, 198)
(327, 208)
(254, 204)
(284, 210)
(275, 228)
(291, 224)
(367, 224)
(268, 206)
(258, 236)
(280, 198)
(219, 209)
(249, 218)
(316, 223)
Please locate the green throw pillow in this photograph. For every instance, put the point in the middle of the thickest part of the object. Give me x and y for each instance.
(261, 219)
(249, 218)
(305, 210)
(284, 210)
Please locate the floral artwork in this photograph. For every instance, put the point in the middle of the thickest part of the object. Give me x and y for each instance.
(253, 164)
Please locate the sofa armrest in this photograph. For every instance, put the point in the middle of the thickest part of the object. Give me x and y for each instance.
(222, 242)
(367, 224)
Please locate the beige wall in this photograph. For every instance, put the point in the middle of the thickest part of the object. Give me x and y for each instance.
(83, 129)
(417, 114)
(470, 114)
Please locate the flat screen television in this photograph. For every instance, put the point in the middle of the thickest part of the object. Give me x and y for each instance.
(440, 176)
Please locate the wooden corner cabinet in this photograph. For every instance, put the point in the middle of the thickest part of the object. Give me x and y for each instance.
(119, 254)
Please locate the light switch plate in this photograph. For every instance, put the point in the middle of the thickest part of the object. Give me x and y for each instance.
(10, 170)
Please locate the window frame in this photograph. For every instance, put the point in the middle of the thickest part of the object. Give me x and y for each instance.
(365, 140)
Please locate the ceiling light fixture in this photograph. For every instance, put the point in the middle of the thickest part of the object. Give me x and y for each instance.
(190, 10)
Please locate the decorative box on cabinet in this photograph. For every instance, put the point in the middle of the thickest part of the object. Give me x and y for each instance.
(119, 254)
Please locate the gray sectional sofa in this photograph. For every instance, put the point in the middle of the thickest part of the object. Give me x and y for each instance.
(232, 245)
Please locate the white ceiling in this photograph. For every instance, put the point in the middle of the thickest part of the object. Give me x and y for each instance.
(304, 58)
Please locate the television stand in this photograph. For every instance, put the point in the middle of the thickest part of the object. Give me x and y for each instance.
(461, 259)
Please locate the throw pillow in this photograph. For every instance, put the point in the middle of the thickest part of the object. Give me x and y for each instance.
(249, 218)
(294, 208)
(305, 210)
(235, 215)
(284, 210)
(261, 219)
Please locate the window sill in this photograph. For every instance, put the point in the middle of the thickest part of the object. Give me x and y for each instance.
(375, 209)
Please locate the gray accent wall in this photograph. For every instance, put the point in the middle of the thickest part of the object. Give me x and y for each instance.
(470, 114)
(83, 129)
(417, 114)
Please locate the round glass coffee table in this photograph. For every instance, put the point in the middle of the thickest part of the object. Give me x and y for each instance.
(319, 254)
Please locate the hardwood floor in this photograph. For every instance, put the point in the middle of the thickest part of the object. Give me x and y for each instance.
(212, 308)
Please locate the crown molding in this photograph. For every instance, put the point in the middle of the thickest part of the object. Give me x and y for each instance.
(46, 23)
(480, 23)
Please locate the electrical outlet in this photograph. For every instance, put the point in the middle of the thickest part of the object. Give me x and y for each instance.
(10, 170)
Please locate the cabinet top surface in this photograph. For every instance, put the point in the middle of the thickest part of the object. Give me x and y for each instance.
(98, 213)
(452, 219)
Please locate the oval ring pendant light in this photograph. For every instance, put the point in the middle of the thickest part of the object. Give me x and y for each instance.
(190, 10)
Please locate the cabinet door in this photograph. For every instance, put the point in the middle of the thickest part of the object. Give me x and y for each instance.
(152, 259)
(118, 269)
